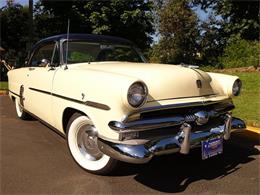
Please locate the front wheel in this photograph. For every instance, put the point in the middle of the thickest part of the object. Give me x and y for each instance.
(82, 143)
(19, 110)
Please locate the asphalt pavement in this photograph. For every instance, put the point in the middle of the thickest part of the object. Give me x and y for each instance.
(36, 160)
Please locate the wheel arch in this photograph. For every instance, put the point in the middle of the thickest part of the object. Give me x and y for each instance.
(13, 98)
(67, 114)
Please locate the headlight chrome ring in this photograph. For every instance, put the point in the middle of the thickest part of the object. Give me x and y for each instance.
(236, 88)
(137, 94)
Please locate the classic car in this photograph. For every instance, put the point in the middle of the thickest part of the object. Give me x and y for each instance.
(111, 105)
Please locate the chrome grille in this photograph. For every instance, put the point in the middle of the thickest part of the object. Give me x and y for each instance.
(190, 118)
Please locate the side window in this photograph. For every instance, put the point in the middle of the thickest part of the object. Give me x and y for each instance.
(55, 61)
(44, 53)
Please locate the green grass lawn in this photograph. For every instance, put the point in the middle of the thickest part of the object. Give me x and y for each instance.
(3, 85)
(248, 103)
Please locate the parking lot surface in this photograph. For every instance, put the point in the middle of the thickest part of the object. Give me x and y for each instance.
(36, 160)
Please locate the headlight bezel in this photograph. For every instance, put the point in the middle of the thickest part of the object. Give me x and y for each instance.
(145, 94)
(236, 87)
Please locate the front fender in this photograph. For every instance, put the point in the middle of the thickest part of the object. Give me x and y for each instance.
(84, 89)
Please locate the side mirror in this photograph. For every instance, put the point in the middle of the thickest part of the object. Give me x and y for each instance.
(44, 63)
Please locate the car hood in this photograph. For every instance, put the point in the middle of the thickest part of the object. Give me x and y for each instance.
(163, 81)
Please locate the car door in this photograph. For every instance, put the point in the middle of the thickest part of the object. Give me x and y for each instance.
(43, 65)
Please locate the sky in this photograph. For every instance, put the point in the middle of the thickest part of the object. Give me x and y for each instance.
(22, 2)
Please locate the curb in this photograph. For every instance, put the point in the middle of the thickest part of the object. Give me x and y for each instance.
(3, 92)
(253, 129)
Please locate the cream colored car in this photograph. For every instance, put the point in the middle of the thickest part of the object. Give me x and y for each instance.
(111, 105)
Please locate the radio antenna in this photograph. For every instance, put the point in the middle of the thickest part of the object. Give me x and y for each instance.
(67, 45)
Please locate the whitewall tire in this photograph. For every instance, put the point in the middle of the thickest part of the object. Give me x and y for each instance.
(82, 142)
(19, 110)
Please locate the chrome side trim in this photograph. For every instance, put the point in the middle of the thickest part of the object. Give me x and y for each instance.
(88, 103)
(143, 153)
(41, 91)
(97, 105)
(14, 93)
(195, 96)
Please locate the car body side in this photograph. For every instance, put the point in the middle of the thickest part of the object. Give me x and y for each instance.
(99, 89)
(75, 89)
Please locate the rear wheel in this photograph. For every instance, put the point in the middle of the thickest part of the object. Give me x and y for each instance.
(19, 110)
(82, 143)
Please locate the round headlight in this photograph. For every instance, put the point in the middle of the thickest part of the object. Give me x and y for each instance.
(137, 94)
(236, 87)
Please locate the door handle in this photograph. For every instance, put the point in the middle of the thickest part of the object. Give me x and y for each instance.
(31, 68)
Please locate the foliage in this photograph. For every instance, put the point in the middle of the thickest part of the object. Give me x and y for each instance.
(248, 104)
(3, 85)
(211, 42)
(51, 17)
(228, 19)
(237, 17)
(179, 32)
(130, 19)
(80, 57)
(241, 53)
(14, 31)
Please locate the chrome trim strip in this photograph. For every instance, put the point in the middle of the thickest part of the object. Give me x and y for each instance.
(41, 91)
(184, 97)
(143, 153)
(14, 93)
(88, 103)
(97, 105)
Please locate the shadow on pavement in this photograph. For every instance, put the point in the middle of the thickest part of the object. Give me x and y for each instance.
(174, 173)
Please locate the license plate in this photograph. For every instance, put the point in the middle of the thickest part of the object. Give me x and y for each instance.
(211, 147)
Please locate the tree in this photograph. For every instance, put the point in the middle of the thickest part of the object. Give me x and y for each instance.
(14, 31)
(179, 32)
(229, 21)
(211, 41)
(240, 53)
(238, 18)
(130, 19)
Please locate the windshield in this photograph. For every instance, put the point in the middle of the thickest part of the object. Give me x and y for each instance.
(80, 51)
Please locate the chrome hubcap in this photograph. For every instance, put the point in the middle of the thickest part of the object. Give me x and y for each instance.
(87, 143)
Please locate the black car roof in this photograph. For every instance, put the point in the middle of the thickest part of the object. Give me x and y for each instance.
(87, 37)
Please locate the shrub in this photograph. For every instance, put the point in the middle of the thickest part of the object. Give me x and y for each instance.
(241, 53)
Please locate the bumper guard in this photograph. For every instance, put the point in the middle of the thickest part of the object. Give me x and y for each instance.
(181, 142)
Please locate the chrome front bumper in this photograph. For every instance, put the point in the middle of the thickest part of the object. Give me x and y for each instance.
(182, 141)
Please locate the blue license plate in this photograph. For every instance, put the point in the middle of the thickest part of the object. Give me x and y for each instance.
(211, 147)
